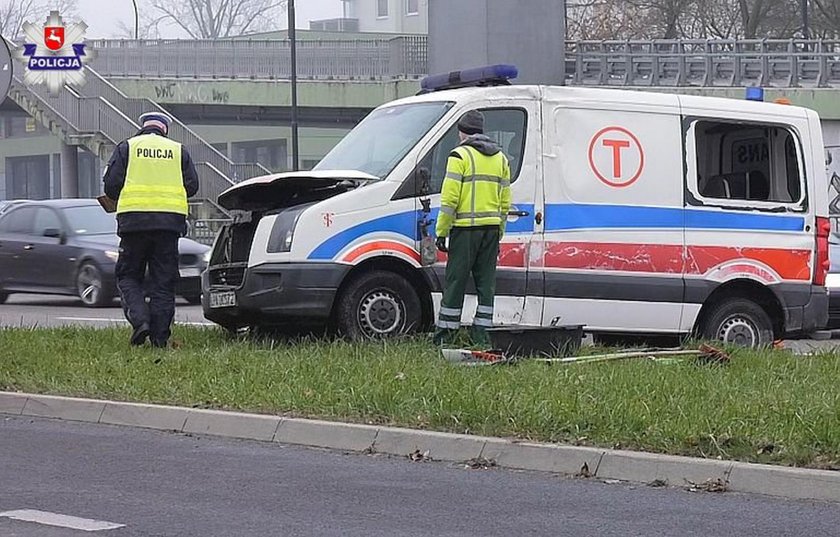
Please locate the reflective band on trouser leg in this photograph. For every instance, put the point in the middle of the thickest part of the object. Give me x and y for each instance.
(483, 316)
(449, 318)
(482, 322)
(450, 312)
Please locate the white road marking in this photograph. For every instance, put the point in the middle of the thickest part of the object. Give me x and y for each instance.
(62, 521)
(107, 320)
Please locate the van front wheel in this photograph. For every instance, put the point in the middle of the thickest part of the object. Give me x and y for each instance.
(376, 305)
(739, 321)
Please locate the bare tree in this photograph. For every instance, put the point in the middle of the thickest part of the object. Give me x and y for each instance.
(13, 13)
(695, 19)
(212, 19)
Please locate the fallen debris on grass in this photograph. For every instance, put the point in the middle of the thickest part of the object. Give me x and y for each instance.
(480, 463)
(704, 354)
(713, 484)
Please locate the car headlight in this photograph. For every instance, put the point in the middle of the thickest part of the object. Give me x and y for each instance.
(283, 230)
(112, 255)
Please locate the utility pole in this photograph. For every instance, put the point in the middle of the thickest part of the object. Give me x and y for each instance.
(806, 33)
(290, 8)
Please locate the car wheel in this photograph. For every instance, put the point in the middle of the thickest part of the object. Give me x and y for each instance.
(376, 305)
(193, 299)
(90, 287)
(739, 321)
(3, 297)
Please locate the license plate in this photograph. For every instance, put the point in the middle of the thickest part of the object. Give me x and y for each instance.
(222, 299)
(190, 272)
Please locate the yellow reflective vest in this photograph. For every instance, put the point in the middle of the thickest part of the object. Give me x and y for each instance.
(475, 192)
(154, 181)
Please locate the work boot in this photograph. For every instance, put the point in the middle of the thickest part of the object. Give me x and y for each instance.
(138, 337)
(444, 336)
(479, 337)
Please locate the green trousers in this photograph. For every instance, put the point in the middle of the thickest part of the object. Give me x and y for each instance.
(472, 251)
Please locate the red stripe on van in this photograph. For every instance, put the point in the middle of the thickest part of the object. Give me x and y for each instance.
(383, 247)
(668, 258)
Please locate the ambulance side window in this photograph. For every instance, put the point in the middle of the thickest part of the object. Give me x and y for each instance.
(747, 162)
(505, 126)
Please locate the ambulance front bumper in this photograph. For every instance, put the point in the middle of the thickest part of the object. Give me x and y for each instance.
(271, 294)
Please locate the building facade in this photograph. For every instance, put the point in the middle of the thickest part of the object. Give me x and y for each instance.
(390, 16)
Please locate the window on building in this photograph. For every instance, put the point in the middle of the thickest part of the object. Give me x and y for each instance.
(747, 162)
(412, 7)
(505, 126)
(382, 8)
(270, 153)
(28, 177)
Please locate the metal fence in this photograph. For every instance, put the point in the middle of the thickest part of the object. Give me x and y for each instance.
(357, 59)
(767, 62)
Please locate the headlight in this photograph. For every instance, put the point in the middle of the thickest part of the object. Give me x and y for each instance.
(112, 255)
(283, 230)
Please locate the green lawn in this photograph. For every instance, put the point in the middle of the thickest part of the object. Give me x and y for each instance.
(768, 406)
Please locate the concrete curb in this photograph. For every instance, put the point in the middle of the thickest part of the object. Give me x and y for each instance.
(597, 463)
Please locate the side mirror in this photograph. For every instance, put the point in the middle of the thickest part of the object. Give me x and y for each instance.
(423, 181)
(53, 232)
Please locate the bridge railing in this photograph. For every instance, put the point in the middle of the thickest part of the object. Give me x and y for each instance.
(365, 59)
(720, 62)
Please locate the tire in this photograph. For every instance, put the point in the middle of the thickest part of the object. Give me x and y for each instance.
(378, 304)
(3, 297)
(193, 299)
(90, 287)
(738, 321)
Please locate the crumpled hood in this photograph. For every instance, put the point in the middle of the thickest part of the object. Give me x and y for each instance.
(483, 143)
(280, 190)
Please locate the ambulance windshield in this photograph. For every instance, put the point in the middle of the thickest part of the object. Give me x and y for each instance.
(383, 138)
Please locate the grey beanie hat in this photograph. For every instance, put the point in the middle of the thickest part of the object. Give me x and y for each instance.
(471, 123)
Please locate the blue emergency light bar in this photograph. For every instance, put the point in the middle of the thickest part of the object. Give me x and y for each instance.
(755, 94)
(490, 75)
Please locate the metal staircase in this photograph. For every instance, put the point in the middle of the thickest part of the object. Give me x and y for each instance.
(98, 116)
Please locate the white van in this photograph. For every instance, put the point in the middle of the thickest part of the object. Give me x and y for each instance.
(633, 213)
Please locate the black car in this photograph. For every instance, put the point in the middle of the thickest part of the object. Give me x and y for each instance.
(70, 247)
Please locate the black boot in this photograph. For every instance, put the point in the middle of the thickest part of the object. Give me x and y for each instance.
(138, 337)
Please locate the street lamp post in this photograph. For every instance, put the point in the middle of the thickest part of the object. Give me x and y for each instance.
(136, 20)
(290, 8)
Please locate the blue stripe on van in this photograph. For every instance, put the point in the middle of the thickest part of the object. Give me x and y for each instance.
(561, 217)
(405, 224)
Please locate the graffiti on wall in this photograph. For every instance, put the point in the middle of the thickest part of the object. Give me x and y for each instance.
(190, 93)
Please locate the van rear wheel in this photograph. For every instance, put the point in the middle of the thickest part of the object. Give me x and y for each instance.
(378, 304)
(739, 321)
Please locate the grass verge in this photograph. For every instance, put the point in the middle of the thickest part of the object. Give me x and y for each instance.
(763, 407)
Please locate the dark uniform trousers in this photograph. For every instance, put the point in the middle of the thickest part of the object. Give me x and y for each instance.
(156, 251)
(472, 251)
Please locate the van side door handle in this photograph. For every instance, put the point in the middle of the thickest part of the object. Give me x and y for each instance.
(518, 213)
(28, 247)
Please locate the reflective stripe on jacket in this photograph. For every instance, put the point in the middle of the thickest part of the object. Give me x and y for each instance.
(154, 180)
(475, 192)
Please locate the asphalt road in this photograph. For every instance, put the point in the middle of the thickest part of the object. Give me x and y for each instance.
(163, 484)
(51, 310)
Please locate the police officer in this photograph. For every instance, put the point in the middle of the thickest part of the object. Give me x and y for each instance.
(150, 177)
(474, 203)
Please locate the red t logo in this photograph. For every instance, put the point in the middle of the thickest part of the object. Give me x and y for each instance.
(617, 146)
